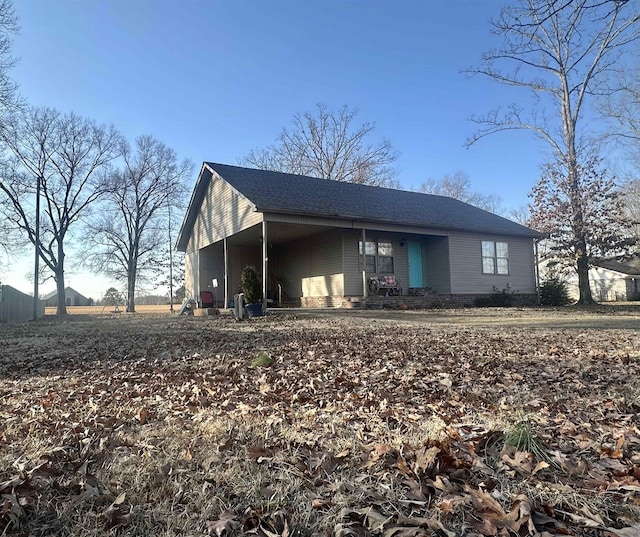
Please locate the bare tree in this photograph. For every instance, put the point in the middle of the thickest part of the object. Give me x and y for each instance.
(330, 145)
(522, 215)
(563, 53)
(130, 236)
(622, 105)
(9, 240)
(8, 26)
(61, 159)
(458, 186)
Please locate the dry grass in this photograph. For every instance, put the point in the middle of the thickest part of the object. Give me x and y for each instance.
(158, 425)
(147, 309)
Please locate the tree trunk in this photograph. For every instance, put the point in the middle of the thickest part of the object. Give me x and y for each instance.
(578, 224)
(59, 277)
(584, 287)
(131, 288)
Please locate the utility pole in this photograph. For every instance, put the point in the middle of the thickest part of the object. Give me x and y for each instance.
(36, 269)
(170, 262)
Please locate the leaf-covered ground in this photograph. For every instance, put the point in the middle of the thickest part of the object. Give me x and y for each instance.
(401, 424)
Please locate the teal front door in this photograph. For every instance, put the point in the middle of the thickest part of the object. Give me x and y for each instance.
(415, 264)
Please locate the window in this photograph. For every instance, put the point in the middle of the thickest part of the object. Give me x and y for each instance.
(370, 255)
(495, 257)
(378, 257)
(385, 258)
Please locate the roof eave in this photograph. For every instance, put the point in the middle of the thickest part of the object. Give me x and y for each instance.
(533, 234)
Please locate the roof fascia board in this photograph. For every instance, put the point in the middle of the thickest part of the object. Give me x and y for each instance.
(620, 272)
(198, 194)
(365, 222)
(187, 215)
(234, 189)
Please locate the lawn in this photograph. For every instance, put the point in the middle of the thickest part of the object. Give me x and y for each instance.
(353, 424)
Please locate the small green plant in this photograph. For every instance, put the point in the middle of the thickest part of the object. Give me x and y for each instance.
(251, 285)
(521, 437)
(554, 292)
(262, 360)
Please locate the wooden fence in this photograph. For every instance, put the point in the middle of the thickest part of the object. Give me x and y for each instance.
(16, 306)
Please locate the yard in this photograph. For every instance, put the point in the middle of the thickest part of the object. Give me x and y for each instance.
(353, 424)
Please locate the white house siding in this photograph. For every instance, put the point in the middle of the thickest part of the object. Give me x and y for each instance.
(609, 288)
(311, 267)
(435, 259)
(465, 254)
(606, 285)
(222, 213)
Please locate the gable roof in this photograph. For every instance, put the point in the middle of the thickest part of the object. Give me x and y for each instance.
(279, 192)
(630, 267)
(53, 293)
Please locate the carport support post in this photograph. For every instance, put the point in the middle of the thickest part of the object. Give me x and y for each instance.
(264, 265)
(364, 263)
(226, 272)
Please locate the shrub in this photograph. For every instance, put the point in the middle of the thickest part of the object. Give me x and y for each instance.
(554, 292)
(251, 285)
(497, 299)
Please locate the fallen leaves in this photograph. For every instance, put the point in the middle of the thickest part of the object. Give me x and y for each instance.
(355, 428)
(224, 526)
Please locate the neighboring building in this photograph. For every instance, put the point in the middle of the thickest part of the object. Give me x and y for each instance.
(305, 236)
(612, 281)
(73, 298)
(16, 306)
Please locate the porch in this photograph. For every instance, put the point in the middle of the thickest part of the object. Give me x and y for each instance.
(310, 265)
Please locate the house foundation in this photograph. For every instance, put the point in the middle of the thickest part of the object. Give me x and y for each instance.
(428, 300)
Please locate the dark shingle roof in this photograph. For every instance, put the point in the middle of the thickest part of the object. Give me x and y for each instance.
(630, 267)
(296, 194)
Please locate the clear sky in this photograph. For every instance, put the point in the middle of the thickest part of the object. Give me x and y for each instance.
(214, 79)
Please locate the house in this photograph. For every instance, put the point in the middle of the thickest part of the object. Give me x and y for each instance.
(612, 280)
(72, 297)
(318, 242)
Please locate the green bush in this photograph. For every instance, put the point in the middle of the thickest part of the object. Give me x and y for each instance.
(554, 292)
(251, 285)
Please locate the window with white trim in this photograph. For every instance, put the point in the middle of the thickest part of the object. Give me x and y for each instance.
(495, 257)
(385, 258)
(378, 257)
(370, 255)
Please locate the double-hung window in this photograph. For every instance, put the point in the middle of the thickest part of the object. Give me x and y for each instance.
(495, 257)
(370, 255)
(378, 257)
(385, 258)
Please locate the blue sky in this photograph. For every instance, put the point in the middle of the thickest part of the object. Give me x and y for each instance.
(215, 79)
